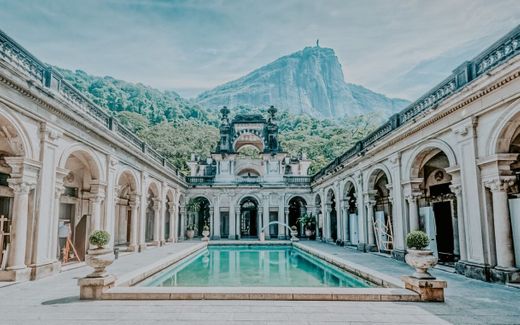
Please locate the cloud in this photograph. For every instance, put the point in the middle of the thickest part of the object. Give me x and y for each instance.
(200, 44)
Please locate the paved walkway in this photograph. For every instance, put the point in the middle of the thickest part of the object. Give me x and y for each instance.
(55, 300)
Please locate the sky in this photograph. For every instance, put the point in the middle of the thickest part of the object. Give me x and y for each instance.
(400, 48)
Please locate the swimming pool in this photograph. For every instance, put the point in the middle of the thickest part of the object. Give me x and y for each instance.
(254, 266)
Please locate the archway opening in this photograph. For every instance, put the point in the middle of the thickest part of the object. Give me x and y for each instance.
(333, 216)
(297, 210)
(152, 208)
(199, 214)
(319, 217)
(352, 222)
(249, 218)
(382, 224)
(437, 206)
(126, 187)
(80, 205)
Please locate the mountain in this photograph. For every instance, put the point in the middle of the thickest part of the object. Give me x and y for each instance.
(122, 96)
(309, 82)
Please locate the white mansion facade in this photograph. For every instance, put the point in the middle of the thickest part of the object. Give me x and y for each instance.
(447, 164)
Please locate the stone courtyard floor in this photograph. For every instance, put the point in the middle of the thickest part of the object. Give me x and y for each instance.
(55, 300)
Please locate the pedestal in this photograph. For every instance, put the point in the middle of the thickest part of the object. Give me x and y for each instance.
(93, 288)
(18, 275)
(428, 290)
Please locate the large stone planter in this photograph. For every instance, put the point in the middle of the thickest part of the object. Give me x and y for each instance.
(190, 234)
(293, 236)
(99, 259)
(308, 233)
(421, 260)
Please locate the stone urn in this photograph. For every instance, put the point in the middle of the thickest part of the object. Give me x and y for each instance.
(294, 232)
(190, 233)
(421, 260)
(99, 258)
(205, 233)
(308, 232)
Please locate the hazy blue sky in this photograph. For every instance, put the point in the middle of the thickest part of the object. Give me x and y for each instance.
(399, 48)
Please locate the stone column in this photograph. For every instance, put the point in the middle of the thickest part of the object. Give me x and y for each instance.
(156, 222)
(326, 225)
(16, 258)
(413, 210)
(216, 220)
(182, 224)
(58, 192)
(281, 217)
(95, 212)
(134, 223)
(504, 238)
(265, 216)
(370, 224)
(457, 190)
(173, 221)
(346, 223)
(232, 223)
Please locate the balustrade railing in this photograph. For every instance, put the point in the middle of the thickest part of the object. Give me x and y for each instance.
(502, 50)
(44, 75)
(297, 180)
(195, 180)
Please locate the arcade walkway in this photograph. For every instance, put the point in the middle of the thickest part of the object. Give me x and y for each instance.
(54, 300)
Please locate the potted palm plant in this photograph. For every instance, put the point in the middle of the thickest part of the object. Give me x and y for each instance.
(308, 222)
(418, 256)
(99, 257)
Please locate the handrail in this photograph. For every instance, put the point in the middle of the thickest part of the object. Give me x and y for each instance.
(505, 48)
(44, 75)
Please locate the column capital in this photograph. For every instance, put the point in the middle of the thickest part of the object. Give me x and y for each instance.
(370, 203)
(456, 189)
(413, 197)
(50, 133)
(20, 187)
(500, 184)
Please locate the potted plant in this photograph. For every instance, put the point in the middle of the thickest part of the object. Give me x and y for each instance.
(190, 231)
(418, 256)
(308, 223)
(99, 257)
(205, 232)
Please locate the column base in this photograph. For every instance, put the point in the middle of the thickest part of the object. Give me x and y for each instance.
(362, 247)
(132, 248)
(399, 254)
(18, 275)
(215, 237)
(43, 270)
(282, 237)
(473, 270)
(142, 247)
(371, 248)
(155, 243)
(505, 275)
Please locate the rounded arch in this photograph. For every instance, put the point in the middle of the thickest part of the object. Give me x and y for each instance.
(317, 200)
(27, 149)
(249, 171)
(425, 152)
(128, 176)
(242, 197)
(295, 196)
(170, 195)
(153, 188)
(200, 197)
(373, 174)
(504, 130)
(349, 184)
(248, 138)
(87, 156)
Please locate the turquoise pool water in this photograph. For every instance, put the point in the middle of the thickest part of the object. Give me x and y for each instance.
(254, 266)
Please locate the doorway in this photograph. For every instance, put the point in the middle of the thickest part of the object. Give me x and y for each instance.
(249, 218)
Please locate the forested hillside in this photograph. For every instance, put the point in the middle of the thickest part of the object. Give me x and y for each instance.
(177, 127)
